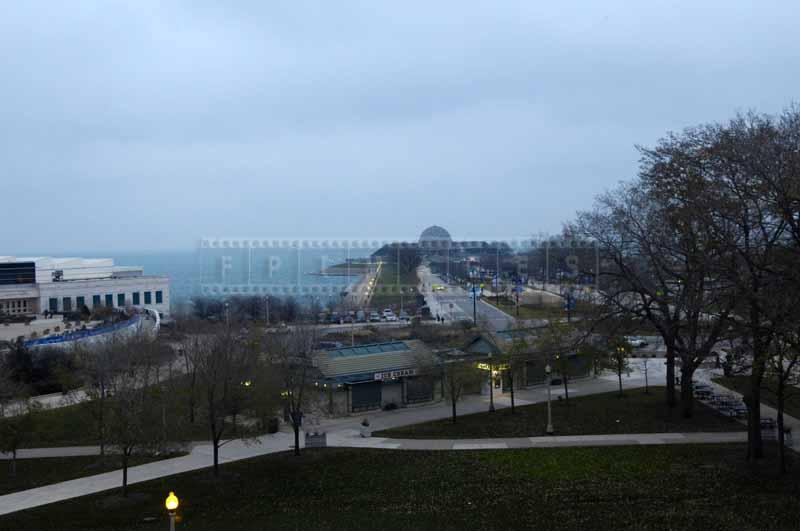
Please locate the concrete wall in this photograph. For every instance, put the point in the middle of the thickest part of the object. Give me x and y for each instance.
(88, 288)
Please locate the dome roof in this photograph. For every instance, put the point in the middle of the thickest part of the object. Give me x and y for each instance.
(435, 233)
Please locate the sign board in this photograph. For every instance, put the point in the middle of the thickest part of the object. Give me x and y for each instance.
(395, 374)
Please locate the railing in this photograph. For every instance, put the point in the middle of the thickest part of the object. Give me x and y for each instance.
(83, 334)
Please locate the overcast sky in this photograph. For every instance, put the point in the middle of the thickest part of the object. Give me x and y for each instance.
(147, 125)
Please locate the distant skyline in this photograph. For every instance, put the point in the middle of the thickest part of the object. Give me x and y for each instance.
(145, 126)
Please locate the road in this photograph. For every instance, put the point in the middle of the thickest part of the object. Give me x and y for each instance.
(454, 303)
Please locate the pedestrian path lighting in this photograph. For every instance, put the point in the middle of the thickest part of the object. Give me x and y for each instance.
(549, 430)
(172, 505)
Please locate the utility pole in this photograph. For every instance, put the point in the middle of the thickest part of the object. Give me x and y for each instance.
(266, 309)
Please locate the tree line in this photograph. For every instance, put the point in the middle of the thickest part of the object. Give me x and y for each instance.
(703, 247)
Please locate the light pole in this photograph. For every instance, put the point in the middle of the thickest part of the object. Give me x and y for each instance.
(227, 313)
(266, 309)
(549, 429)
(172, 505)
(491, 384)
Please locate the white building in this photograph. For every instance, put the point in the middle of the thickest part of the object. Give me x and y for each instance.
(58, 285)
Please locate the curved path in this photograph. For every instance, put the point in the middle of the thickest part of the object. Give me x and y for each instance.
(345, 433)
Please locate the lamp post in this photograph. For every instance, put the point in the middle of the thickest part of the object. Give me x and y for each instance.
(549, 429)
(172, 505)
(491, 384)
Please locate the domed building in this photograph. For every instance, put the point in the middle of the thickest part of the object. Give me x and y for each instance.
(435, 233)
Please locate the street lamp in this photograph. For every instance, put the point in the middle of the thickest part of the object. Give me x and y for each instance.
(549, 429)
(172, 505)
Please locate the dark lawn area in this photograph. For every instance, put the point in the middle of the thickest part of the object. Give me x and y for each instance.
(741, 384)
(74, 426)
(534, 311)
(37, 472)
(635, 412)
(705, 487)
(388, 292)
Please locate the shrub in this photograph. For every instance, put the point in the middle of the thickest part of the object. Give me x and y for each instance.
(272, 425)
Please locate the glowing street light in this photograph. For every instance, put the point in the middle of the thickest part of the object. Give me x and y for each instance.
(171, 503)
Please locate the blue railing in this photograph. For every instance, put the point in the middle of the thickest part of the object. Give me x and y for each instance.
(83, 334)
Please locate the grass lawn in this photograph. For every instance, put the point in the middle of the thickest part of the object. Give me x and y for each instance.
(705, 487)
(741, 384)
(387, 292)
(37, 472)
(529, 311)
(74, 426)
(636, 412)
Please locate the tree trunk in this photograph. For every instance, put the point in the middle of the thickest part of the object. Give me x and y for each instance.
(566, 389)
(511, 385)
(124, 474)
(619, 377)
(670, 377)
(453, 402)
(14, 463)
(215, 443)
(755, 445)
(687, 396)
(296, 427)
(781, 448)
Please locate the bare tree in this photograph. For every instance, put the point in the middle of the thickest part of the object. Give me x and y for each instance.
(291, 354)
(223, 367)
(17, 427)
(459, 375)
(134, 413)
(97, 367)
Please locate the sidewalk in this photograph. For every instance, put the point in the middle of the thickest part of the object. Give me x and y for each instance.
(351, 439)
(344, 432)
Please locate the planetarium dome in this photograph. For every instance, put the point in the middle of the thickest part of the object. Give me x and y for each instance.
(435, 233)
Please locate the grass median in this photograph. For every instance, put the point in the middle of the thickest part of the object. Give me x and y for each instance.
(706, 487)
(606, 413)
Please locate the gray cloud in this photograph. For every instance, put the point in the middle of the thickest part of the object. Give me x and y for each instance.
(146, 125)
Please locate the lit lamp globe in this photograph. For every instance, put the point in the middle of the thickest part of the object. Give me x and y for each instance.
(171, 502)
(547, 369)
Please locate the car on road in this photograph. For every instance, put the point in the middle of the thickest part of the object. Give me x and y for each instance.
(636, 342)
(438, 287)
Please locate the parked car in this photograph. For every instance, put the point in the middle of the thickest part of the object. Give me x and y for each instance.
(387, 311)
(636, 342)
(404, 316)
(390, 317)
(374, 317)
(361, 317)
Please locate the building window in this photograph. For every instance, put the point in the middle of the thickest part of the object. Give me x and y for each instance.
(121, 300)
(110, 301)
(136, 301)
(95, 301)
(148, 298)
(80, 302)
(53, 304)
(159, 297)
(67, 302)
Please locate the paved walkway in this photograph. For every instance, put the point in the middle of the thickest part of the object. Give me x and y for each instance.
(354, 440)
(344, 432)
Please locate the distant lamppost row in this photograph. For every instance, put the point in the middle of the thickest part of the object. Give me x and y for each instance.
(171, 504)
(549, 429)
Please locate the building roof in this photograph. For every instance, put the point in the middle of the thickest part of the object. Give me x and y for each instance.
(435, 233)
(360, 363)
